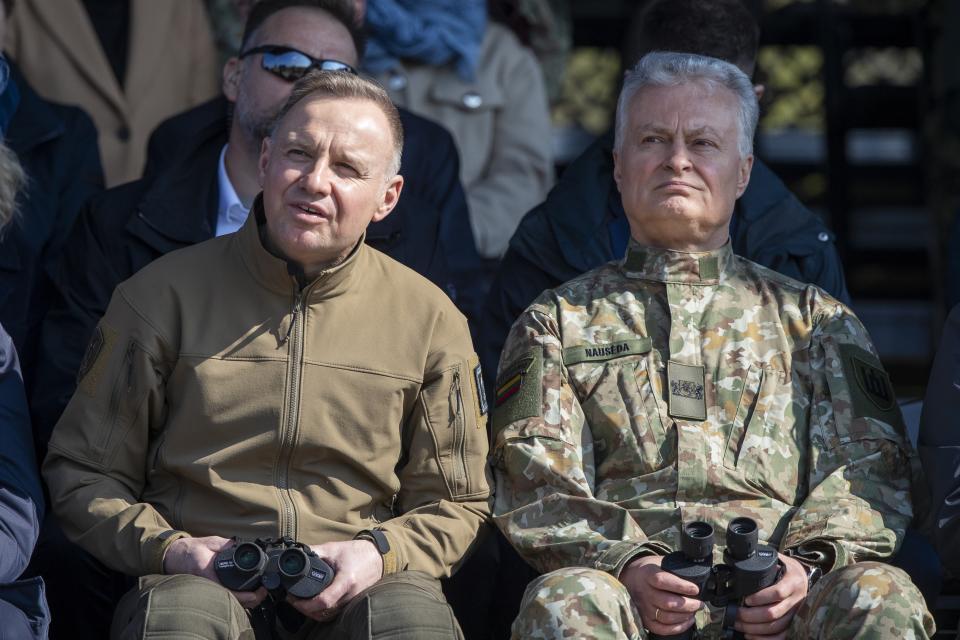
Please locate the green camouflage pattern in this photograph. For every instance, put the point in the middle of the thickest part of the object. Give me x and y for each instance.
(863, 600)
(799, 432)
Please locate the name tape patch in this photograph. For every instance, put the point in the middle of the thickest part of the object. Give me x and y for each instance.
(602, 352)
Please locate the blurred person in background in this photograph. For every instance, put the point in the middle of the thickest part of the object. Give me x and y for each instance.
(443, 59)
(23, 608)
(57, 147)
(128, 63)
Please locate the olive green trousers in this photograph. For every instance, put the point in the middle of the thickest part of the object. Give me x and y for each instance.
(408, 605)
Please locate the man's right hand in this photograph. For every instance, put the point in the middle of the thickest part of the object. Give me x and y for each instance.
(661, 597)
(196, 555)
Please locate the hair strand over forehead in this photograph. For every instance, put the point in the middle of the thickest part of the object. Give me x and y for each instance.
(668, 69)
(345, 86)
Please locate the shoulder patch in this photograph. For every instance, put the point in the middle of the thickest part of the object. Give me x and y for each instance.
(95, 359)
(603, 352)
(480, 390)
(871, 391)
(519, 392)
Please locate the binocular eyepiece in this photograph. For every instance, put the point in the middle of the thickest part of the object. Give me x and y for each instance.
(747, 566)
(281, 565)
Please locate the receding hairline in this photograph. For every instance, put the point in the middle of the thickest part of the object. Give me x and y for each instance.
(256, 37)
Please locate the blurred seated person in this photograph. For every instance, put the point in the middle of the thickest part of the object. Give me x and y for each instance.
(56, 146)
(443, 59)
(23, 608)
(128, 63)
(582, 225)
(939, 444)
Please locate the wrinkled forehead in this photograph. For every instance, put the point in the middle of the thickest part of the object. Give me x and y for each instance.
(691, 103)
(355, 123)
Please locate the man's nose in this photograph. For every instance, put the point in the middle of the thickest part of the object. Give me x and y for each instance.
(678, 157)
(316, 177)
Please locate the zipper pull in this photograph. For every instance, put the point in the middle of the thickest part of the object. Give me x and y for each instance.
(456, 384)
(293, 319)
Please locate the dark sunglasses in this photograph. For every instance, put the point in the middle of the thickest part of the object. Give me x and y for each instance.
(290, 64)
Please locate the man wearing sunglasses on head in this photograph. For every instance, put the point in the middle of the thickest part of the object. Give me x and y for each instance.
(201, 178)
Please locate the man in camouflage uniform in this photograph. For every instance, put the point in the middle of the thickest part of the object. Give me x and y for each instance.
(685, 383)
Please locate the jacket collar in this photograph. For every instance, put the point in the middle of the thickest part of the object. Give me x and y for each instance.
(281, 276)
(669, 266)
(180, 207)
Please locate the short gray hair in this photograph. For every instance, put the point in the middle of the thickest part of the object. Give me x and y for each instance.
(668, 69)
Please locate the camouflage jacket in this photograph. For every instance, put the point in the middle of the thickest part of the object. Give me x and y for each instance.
(671, 387)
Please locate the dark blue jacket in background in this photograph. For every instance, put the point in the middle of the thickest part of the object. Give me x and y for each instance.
(23, 608)
(574, 229)
(57, 147)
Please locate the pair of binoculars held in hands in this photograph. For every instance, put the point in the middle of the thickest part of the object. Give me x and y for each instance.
(747, 567)
(281, 565)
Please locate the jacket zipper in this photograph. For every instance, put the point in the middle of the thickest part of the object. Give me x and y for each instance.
(459, 436)
(288, 434)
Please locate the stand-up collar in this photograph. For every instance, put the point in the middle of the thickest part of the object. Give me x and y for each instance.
(667, 265)
(278, 274)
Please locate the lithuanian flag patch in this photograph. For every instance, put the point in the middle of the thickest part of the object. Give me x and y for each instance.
(509, 388)
(519, 392)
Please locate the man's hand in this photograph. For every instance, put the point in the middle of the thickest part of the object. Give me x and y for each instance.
(357, 565)
(768, 613)
(660, 596)
(195, 556)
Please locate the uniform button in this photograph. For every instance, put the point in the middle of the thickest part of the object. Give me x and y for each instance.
(472, 100)
(396, 81)
(123, 133)
(823, 236)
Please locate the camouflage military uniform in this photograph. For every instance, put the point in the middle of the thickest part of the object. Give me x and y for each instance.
(673, 387)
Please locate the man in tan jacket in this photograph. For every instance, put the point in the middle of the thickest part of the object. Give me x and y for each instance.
(285, 380)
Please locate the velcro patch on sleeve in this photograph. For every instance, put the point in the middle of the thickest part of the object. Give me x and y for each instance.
(609, 351)
(871, 392)
(95, 359)
(519, 393)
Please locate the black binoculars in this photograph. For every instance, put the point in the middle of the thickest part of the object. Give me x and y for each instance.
(747, 567)
(279, 564)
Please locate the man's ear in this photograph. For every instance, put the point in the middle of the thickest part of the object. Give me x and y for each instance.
(264, 160)
(231, 78)
(759, 90)
(616, 170)
(743, 175)
(391, 196)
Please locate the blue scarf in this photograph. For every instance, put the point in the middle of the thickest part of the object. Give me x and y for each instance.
(9, 97)
(435, 32)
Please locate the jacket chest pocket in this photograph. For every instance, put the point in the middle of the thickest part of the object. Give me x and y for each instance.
(762, 445)
(622, 402)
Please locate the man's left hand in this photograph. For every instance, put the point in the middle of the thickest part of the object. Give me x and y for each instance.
(357, 566)
(768, 612)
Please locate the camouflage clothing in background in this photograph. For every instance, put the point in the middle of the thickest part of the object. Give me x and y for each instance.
(674, 387)
(586, 603)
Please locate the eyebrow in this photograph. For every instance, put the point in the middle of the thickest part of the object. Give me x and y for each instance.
(656, 128)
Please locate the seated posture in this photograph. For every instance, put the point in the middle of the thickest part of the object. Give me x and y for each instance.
(684, 383)
(284, 380)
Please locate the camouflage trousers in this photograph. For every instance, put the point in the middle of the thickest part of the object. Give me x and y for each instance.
(864, 600)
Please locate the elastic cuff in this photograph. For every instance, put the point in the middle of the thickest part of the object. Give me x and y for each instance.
(156, 548)
(616, 557)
